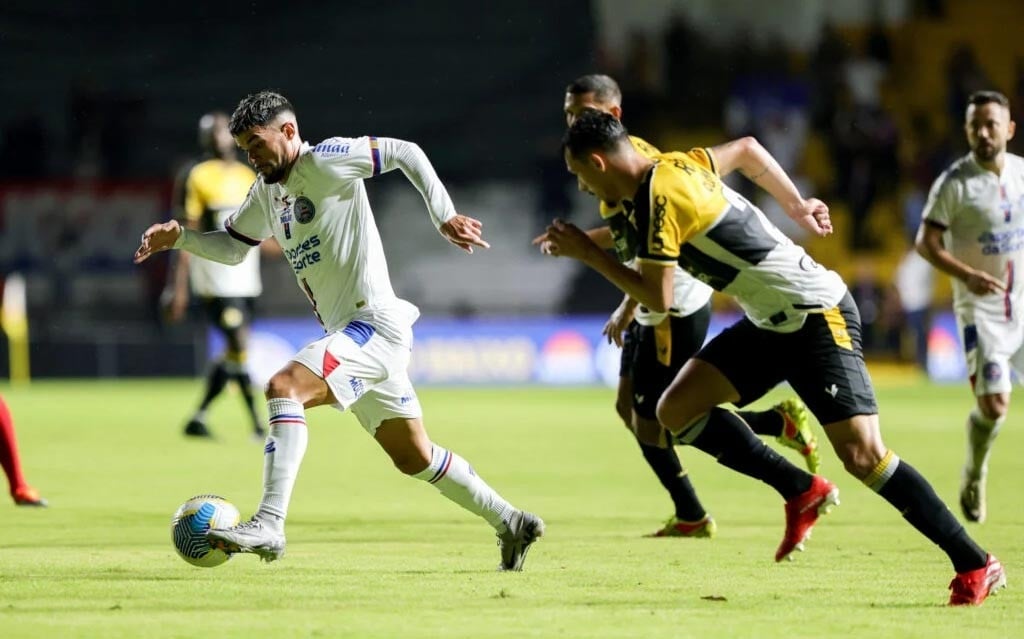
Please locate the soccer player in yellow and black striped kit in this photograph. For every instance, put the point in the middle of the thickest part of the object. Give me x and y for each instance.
(205, 196)
(656, 345)
(800, 326)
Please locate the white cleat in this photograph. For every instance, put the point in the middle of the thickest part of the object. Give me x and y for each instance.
(253, 536)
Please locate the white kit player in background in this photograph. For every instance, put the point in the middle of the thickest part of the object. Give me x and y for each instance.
(973, 229)
(313, 201)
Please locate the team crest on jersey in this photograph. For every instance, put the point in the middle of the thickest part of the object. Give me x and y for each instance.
(992, 371)
(304, 210)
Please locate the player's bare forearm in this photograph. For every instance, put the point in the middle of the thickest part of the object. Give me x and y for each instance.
(755, 163)
(930, 246)
(646, 291)
(602, 236)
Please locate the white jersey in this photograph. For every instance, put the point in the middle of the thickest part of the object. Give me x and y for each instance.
(689, 295)
(983, 214)
(322, 219)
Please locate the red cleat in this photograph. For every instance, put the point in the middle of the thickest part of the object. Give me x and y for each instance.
(803, 511)
(972, 587)
(27, 496)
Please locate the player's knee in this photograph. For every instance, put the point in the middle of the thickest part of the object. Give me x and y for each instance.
(993, 407)
(672, 415)
(282, 385)
(858, 458)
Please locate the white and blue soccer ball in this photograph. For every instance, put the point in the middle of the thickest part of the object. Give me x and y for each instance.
(191, 523)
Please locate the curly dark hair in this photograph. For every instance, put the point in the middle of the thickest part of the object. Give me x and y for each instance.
(257, 109)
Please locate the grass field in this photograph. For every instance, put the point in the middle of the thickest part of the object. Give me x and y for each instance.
(374, 554)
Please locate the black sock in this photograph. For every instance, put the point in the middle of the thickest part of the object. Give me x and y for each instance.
(665, 464)
(914, 497)
(763, 422)
(245, 385)
(725, 437)
(216, 380)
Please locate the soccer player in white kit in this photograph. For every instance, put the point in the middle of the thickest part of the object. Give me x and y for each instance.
(313, 201)
(973, 230)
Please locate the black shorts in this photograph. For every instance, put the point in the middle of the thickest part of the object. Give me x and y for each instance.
(822, 361)
(228, 313)
(650, 376)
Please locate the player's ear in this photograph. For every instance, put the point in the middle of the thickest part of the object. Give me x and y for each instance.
(598, 161)
(289, 129)
(616, 111)
(1011, 128)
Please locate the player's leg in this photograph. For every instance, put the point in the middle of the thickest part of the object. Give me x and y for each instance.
(217, 375)
(297, 386)
(20, 491)
(989, 346)
(830, 359)
(659, 353)
(391, 413)
(722, 373)
(235, 355)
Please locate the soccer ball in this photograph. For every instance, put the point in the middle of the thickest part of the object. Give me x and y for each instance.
(190, 524)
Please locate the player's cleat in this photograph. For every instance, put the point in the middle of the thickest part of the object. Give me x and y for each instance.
(522, 530)
(803, 511)
(797, 432)
(253, 536)
(196, 428)
(28, 496)
(675, 527)
(972, 587)
(972, 498)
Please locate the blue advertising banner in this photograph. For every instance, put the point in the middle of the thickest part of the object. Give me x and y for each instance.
(484, 351)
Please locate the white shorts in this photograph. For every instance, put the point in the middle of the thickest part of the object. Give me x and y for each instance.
(992, 345)
(365, 372)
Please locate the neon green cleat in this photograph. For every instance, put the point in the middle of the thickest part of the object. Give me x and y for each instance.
(675, 527)
(797, 433)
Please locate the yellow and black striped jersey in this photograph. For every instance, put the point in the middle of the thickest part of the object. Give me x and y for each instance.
(685, 215)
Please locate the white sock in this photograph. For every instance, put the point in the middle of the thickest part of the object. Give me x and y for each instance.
(457, 481)
(981, 434)
(285, 447)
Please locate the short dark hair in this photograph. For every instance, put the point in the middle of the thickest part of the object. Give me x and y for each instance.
(594, 130)
(258, 109)
(604, 88)
(978, 98)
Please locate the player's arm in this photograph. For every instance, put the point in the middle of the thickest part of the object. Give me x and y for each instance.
(932, 247)
(754, 162)
(619, 320)
(188, 206)
(219, 246)
(651, 285)
(463, 231)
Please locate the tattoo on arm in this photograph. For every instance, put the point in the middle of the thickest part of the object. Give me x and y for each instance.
(754, 178)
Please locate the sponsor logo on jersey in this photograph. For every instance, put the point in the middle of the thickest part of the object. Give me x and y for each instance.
(658, 222)
(304, 210)
(303, 254)
(357, 386)
(1001, 242)
(331, 149)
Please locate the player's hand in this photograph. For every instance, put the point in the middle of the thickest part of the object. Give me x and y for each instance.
(158, 237)
(464, 232)
(981, 283)
(617, 323)
(812, 214)
(563, 239)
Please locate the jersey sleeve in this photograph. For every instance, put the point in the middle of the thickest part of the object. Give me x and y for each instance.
(941, 203)
(349, 158)
(704, 157)
(670, 220)
(249, 223)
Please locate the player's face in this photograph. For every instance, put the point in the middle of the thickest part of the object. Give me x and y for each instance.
(579, 102)
(590, 175)
(988, 128)
(266, 147)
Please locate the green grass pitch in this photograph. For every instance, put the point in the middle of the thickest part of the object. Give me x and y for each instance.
(375, 554)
